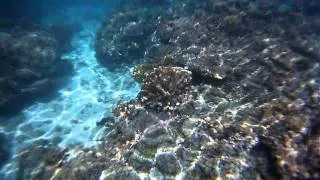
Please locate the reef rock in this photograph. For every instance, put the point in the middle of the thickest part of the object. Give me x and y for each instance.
(167, 163)
(30, 68)
(255, 97)
(4, 149)
(86, 165)
(251, 111)
(126, 35)
(39, 162)
(293, 137)
(53, 163)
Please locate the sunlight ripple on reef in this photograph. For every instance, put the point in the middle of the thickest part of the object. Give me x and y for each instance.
(70, 119)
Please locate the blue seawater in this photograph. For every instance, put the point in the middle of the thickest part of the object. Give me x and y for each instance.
(68, 120)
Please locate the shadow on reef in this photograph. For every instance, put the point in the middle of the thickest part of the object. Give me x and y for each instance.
(252, 113)
(4, 150)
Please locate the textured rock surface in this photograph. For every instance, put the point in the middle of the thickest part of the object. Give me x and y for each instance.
(39, 162)
(167, 163)
(254, 96)
(127, 34)
(30, 68)
(52, 163)
(255, 88)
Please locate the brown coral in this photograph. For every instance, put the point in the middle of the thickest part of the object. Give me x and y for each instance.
(164, 87)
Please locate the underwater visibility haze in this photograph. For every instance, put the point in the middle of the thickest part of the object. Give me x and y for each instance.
(159, 89)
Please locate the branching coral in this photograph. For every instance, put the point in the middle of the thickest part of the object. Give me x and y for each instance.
(163, 88)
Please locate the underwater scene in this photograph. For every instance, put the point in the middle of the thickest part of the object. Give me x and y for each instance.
(160, 90)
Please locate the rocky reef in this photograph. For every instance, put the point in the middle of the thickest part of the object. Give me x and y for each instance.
(30, 67)
(229, 90)
(45, 162)
(254, 92)
(126, 35)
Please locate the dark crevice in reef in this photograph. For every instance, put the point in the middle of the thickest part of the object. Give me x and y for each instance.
(4, 149)
(264, 162)
(198, 79)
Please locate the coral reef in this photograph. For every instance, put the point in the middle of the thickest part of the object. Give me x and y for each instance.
(164, 87)
(174, 144)
(231, 92)
(293, 137)
(255, 88)
(126, 34)
(141, 70)
(38, 162)
(57, 164)
(30, 68)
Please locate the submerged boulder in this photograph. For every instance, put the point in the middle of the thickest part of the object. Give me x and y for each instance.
(30, 68)
(34, 51)
(127, 34)
(294, 138)
(39, 162)
(168, 163)
(44, 162)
